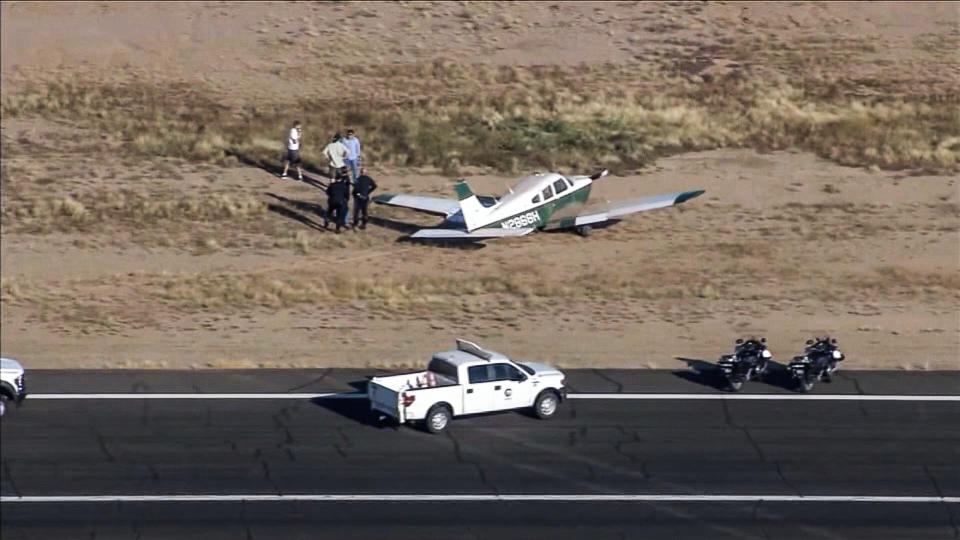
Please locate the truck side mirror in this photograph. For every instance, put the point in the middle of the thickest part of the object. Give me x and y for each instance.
(763, 340)
(519, 377)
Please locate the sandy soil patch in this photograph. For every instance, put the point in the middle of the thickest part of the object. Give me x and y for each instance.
(783, 245)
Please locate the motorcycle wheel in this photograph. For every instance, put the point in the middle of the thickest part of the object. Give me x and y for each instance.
(736, 385)
(806, 384)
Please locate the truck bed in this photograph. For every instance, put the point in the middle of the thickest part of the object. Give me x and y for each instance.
(411, 381)
(385, 393)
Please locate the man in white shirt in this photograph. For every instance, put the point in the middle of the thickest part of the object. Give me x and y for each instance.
(337, 153)
(353, 145)
(293, 150)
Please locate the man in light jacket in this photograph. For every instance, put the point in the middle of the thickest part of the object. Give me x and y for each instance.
(337, 153)
(353, 160)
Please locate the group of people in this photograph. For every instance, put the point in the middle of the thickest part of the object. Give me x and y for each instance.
(346, 174)
(338, 195)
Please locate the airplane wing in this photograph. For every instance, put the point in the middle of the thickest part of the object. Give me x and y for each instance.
(430, 205)
(478, 234)
(620, 209)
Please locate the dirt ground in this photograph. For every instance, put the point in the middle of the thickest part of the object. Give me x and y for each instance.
(783, 244)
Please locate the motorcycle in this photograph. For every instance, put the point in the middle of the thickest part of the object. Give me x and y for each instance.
(748, 361)
(819, 361)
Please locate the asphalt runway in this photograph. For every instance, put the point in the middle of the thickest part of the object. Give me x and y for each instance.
(707, 448)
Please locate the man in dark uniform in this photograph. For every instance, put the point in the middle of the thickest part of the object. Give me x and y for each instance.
(338, 193)
(361, 197)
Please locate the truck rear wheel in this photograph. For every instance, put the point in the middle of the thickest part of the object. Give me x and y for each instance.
(546, 404)
(438, 417)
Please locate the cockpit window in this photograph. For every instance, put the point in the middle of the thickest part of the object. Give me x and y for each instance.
(568, 181)
(559, 186)
(536, 200)
(547, 192)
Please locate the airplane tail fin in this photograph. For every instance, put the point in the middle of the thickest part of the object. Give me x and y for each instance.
(472, 210)
(599, 175)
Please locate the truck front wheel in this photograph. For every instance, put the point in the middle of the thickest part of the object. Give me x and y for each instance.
(546, 404)
(438, 417)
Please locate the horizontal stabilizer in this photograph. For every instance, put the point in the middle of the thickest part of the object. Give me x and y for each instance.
(479, 234)
(430, 205)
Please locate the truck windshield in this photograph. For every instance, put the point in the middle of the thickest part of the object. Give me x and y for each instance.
(526, 368)
(442, 367)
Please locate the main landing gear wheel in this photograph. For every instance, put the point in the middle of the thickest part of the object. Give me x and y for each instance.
(584, 230)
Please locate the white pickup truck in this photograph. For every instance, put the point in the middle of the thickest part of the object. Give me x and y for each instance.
(12, 385)
(469, 380)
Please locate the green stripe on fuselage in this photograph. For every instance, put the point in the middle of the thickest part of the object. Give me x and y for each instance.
(538, 216)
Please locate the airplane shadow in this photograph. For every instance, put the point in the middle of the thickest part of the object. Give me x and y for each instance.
(447, 243)
(708, 374)
(302, 209)
(302, 206)
(393, 225)
(407, 229)
(595, 227)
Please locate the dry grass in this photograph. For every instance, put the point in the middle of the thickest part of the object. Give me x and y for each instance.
(899, 279)
(233, 291)
(125, 207)
(228, 292)
(511, 118)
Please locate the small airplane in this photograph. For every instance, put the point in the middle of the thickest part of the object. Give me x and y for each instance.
(545, 201)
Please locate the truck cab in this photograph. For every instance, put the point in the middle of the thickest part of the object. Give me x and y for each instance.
(464, 381)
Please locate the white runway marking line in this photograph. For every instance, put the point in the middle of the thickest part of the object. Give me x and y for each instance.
(639, 397)
(771, 397)
(331, 395)
(478, 498)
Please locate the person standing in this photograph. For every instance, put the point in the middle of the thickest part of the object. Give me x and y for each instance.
(362, 189)
(293, 150)
(353, 159)
(336, 152)
(338, 192)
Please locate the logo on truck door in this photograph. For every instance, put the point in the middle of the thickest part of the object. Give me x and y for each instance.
(508, 392)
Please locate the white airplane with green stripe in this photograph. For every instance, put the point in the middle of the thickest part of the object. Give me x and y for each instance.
(543, 201)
